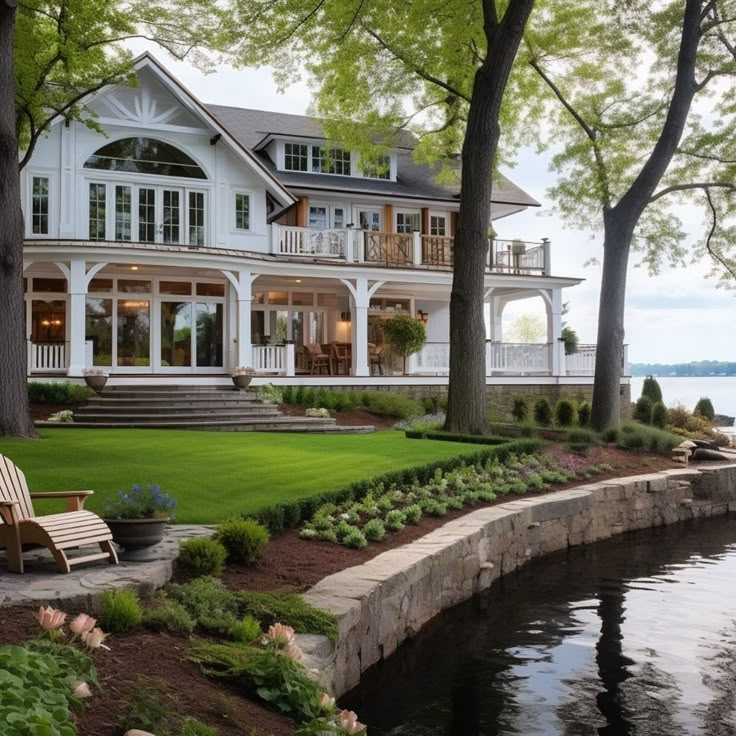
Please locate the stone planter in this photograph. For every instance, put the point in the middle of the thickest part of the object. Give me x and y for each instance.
(96, 382)
(241, 382)
(133, 534)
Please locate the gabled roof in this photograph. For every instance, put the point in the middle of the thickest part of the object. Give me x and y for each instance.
(253, 128)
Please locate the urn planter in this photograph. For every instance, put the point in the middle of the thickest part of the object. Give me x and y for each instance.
(242, 381)
(96, 382)
(133, 534)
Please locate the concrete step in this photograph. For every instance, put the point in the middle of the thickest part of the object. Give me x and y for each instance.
(271, 424)
(178, 400)
(178, 408)
(196, 395)
(144, 415)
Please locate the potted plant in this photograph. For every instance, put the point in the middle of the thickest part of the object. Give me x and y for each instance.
(95, 378)
(137, 518)
(242, 376)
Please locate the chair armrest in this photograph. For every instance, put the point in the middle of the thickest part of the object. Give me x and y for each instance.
(75, 499)
(9, 503)
(8, 512)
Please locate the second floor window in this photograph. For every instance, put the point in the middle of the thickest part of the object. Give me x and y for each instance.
(242, 211)
(407, 222)
(296, 157)
(330, 161)
(379, 169)
(40, 205)
(97, 211)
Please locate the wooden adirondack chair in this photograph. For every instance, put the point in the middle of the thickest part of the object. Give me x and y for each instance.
(19, 526)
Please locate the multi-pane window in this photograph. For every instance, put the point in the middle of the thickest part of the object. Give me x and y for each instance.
(97, 211)
(196, 218)
(330, 161)
(123, 213)
(437, 225)
(242, 211)
(40, 205)
(380, 169)
(407, 222)
(171, 215)
(296, 157)
(146, 215)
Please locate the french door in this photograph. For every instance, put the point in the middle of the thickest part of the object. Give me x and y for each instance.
(369, 218)
(191, 335)
(161, 214)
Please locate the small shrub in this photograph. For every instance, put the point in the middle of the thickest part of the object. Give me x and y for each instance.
(169, 616)
(413, 513)
(638, 437)
(611, 434)
(395, 520)
(121, 610)
(651, 389)
(287, 394)
(433, 507)
(520, 412)
(374, 530)
(565, 413)
(643, 410)
(145, 708)
(704, 408)
(582, 436)
(659, 415)
(202, 556)
(207, 601)
(317, 413)
(584, 413)
(247, 630)
(270, 394)
(244, 540)
(355, 539)
(65, 416)
(40, 392)
(543, 412)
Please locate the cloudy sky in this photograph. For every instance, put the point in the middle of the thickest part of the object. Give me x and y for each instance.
(677, 316)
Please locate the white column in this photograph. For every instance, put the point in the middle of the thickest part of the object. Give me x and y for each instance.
(554, 329)
(241, 282)
(360, 299)
(77, 280)
(417, 248)
(290, 362)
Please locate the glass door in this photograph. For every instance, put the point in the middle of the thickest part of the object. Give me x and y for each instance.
(170, 217)
(192, 335)
(369, 218)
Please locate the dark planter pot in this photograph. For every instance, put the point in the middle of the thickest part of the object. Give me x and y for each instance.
(242, 382)
(96, 382)
(137, 533)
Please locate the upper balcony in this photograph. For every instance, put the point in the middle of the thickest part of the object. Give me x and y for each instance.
(406, 250)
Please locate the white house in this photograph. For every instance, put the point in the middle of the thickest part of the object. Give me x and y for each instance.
(187, 239)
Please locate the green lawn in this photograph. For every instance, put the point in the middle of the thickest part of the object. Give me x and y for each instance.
(213, 475)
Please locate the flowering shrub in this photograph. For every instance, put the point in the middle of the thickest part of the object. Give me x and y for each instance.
(270, 394)
(318, 413)
(353, 524)
(243, 370)
(141, 502)
(64, 416)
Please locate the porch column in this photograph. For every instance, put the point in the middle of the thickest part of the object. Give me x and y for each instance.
(242, 282)
(77, 331)
(360, 299)
(554, 329)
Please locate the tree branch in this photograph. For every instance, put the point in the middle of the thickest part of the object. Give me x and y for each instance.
(302, 22)
(706, 156)
(419, 71)
(713, 254)
(694, 185)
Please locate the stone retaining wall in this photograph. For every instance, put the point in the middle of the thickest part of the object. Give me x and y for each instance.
(388, 599)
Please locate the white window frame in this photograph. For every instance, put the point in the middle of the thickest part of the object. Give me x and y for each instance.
(49, 200)
(317, 154)
(234, 212)
(308, 156)
(446, 217)
(407, 213)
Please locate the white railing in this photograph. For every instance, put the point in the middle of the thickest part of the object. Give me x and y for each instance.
(306, 241)
(507, 357)
(581, 362)
(47, 357)
(518, 257)
(434, 357)
(276, 359)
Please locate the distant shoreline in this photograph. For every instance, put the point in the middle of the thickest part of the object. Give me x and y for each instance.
(695, 369)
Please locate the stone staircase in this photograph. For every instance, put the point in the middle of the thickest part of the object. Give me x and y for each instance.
(187, 407)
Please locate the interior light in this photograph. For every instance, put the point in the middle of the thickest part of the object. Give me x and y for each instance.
(134, 268)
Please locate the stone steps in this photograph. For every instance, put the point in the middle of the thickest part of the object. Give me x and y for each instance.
(157, 409)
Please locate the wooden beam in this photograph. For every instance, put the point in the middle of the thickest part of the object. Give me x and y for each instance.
(302, 207)
(388, 218)
(425, 220)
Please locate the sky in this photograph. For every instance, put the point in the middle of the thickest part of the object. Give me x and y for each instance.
(676, 316)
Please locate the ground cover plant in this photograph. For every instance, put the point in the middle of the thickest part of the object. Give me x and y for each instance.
(377, 402)
(253, 469)
(389, 508)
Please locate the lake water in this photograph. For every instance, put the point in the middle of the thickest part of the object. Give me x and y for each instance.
(634, 636)
(721, 390)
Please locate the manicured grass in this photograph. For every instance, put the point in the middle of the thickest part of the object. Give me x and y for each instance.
(213, 475)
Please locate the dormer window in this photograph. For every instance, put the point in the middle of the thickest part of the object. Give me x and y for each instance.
(330, 161)
(380, 169)
(296, 157)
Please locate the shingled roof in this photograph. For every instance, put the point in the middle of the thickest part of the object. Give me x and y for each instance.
(414, 181)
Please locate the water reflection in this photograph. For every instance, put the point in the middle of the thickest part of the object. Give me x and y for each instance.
(634, 636)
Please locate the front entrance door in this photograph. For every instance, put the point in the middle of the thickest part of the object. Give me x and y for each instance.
(368, 218)
(192, 336)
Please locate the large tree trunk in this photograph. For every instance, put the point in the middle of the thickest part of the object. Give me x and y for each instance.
(14, 416)
(466, 407)
(620, 223)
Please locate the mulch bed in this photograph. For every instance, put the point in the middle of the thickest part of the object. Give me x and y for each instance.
(289, 563)
(346, 417)
(41, 412)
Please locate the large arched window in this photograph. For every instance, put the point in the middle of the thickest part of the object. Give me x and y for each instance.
(145, 156)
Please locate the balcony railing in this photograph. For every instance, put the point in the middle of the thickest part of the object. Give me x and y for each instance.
(274, 359)
(406, 250)
(509, 357)
(47, 357)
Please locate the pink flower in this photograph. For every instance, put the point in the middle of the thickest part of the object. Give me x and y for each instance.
(93, 639)
(81, 690)
(82, 623)
(349, 722)
(280, 633)
(50, 618)
(292, 651)
(326, 701)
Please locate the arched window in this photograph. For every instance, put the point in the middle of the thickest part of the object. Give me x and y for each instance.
(145, 156)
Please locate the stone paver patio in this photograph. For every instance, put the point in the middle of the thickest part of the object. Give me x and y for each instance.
(147, 572)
